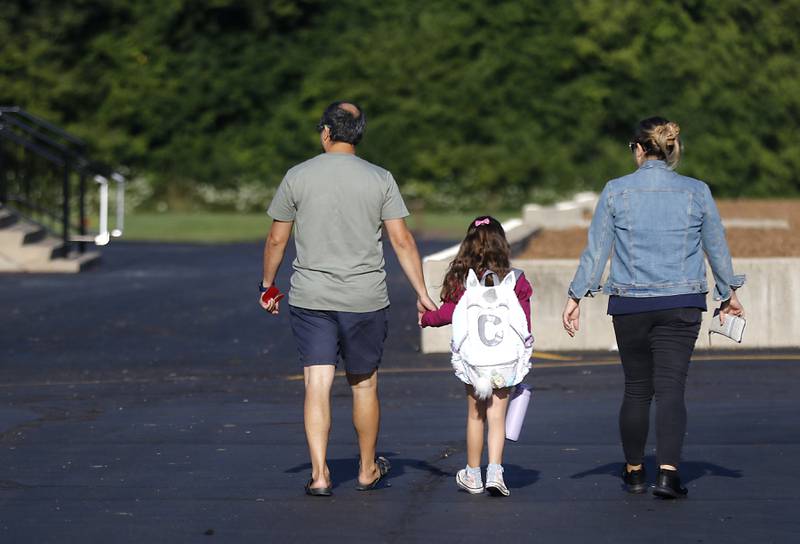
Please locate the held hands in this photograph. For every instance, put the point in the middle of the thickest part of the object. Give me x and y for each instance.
(732, 306)
(424, 304)
(571, 316)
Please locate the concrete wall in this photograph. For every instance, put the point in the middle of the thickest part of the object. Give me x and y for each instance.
(771, 298)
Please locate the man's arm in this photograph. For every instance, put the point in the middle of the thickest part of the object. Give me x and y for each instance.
(274, 248)
(406, 249)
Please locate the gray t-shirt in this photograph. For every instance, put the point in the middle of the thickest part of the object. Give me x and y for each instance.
(337, 202)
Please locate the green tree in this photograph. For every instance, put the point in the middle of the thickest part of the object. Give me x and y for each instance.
(470, 103)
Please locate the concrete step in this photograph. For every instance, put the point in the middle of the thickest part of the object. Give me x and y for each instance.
(27, 247)
(43, 250)
(21, 233)
(7, 217)
(74, 262)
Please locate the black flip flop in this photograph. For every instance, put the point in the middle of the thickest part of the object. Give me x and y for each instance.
(317, 491)
(383, 468)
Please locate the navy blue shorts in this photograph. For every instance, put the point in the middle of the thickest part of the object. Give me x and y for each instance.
(322, 336)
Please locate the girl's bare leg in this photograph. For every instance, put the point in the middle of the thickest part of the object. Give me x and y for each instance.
(496, 408)
(476, 416)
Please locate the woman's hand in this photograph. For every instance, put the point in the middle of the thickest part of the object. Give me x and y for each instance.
(571, 316)
(731, 306)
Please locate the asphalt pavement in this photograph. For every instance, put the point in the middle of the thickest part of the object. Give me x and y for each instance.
(151, 400)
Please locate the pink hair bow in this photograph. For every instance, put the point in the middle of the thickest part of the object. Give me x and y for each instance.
(479, 222)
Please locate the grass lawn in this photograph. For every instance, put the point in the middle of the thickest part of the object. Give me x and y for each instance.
(208, 227)
(196, 227)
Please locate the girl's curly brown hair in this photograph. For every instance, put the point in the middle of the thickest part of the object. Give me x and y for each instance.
(484, 248)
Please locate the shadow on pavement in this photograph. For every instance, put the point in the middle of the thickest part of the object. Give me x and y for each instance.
(693, 470)
(346, 469)
(689, 470)
(517, 477)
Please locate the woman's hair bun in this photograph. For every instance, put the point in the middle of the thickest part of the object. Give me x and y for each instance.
(659, 138)
(666, 133)
(673, 131)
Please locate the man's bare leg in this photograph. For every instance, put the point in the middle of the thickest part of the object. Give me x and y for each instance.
(366, 420)
(317, 417)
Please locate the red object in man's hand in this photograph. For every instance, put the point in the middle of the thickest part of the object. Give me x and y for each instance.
(273, 293)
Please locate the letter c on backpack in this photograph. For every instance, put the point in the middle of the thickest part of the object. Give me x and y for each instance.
(483, 321)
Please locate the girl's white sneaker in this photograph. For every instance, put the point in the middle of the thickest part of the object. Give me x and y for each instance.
(468, 482)
(494, 482)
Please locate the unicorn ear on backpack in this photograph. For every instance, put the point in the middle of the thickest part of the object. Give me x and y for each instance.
(510, 280)
(472, 279)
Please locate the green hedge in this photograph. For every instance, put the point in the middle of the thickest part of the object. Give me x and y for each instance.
(470, 103)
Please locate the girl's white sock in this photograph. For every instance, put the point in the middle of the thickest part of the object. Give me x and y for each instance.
(493, 469)
(474, 471)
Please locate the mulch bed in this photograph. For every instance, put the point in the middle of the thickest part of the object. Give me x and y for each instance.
(744, 242)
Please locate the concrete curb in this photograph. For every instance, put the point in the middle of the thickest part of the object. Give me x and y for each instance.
(771, 296)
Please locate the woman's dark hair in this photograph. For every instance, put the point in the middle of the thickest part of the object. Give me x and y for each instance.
(484, 248)
(344, 124)
(659, 138)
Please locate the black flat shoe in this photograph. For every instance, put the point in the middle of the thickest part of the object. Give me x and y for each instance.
(317, 491)
(668, 485)
(635, 480)
(383, 469)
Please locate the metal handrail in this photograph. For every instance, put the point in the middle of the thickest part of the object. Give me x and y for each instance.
(120, 220)
(36, 134)
(66, 153)
(104, 235)
(43, 124)
(39, 150)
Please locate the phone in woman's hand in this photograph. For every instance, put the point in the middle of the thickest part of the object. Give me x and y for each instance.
(732, 327)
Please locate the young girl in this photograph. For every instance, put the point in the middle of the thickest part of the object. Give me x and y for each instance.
(485, 248)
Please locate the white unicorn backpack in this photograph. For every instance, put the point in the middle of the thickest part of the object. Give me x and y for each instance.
(491, 343)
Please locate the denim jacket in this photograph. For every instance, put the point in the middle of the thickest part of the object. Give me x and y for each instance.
(659, 224)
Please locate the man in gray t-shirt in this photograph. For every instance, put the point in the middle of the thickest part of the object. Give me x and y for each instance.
(339, 205)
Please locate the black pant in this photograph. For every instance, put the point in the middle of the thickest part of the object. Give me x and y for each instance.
(655, 348)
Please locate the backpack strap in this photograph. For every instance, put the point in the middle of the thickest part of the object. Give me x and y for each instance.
(495, 278)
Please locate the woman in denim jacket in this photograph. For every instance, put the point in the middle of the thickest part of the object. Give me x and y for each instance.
(660, 225)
